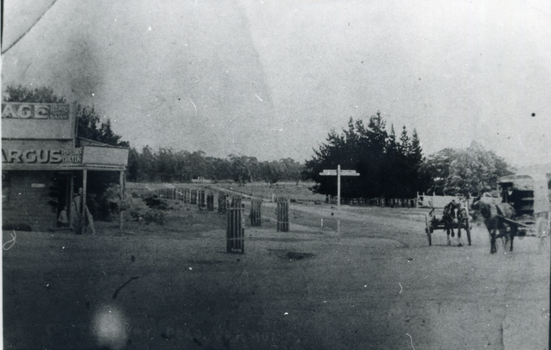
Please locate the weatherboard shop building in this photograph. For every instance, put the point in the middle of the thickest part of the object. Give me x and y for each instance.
(45, 166)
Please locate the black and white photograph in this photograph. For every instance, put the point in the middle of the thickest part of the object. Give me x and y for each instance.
(276, 174)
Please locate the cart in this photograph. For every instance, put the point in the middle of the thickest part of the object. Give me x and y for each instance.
(529, 194)
(434, 221)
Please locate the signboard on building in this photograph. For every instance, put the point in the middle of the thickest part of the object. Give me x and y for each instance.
(41, 156)
(35, 110)
(37, 121)
(106, 156)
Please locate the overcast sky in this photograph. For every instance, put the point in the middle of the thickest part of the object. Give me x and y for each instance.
(270, 78)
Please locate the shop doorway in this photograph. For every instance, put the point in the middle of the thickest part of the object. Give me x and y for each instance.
(60, 198)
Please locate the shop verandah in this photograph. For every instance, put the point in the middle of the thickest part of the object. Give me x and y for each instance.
(44, 199)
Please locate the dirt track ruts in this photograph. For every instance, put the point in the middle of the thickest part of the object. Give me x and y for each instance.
(376, 285)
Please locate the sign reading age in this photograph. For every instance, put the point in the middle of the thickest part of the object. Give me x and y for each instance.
(22, 110)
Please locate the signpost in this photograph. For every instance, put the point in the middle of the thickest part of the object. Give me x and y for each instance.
(338, 173)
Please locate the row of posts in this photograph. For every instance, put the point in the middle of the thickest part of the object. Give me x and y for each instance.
(233, 208)
(235, 233)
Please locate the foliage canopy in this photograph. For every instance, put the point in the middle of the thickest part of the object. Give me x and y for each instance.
(167, 165)
(388, 167)
(467, 171)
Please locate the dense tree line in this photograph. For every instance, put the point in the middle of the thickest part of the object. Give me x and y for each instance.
(167, 165)
(388, 166)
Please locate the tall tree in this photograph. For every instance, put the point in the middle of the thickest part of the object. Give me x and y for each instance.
(91, 127)
(385, 164)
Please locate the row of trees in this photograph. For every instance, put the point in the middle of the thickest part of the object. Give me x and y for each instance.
(167, 165)
(395, 167)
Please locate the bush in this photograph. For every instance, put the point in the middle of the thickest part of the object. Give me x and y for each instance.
(155, 202)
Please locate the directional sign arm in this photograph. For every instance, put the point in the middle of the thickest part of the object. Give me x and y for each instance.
(349, 173)
(333, 172)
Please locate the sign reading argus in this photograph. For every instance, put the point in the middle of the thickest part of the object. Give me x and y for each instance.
(44, 156)
(13, 110)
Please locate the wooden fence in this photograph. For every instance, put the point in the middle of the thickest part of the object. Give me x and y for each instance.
(433, 201)
(235, 233)
(378, 202)
(198, 197)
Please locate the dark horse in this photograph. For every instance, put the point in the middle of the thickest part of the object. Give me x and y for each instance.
(495, 218)
(453, 215)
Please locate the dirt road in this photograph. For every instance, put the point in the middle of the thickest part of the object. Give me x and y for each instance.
(376, 285)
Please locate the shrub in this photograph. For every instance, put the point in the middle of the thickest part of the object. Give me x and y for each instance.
(155, 202)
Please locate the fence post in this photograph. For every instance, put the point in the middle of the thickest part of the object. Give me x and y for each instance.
(235, 233)
(256, 213)
(193, 196)
(283, 214)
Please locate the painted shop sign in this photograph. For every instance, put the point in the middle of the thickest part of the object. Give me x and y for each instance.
(14, 110)
(42, 156)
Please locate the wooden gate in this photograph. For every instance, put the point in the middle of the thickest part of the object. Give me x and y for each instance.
(283, 214)
(235, 233)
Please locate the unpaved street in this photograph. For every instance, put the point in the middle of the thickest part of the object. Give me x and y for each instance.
(376, 285)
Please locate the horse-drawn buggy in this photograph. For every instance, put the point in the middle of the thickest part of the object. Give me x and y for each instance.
(523, 209)
(454, 216)
(529, 196)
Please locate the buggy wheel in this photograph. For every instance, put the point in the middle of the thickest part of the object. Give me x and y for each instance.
(468, 230)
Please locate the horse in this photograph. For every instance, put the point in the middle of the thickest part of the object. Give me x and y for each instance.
(453, 215)
(495, 216)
